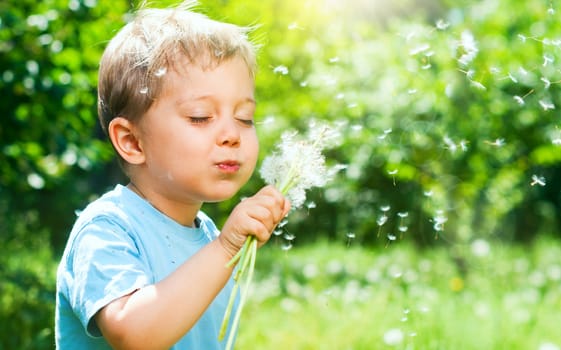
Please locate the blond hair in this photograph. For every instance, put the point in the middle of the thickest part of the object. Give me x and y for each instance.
(133, 66)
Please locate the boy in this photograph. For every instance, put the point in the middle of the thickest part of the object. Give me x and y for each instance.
(143, 266)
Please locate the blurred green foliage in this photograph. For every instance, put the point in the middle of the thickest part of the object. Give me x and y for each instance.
(449, 112)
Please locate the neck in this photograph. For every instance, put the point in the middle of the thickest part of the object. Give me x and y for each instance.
(185, 217)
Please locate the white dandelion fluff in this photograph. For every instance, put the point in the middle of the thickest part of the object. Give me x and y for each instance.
(298, 163)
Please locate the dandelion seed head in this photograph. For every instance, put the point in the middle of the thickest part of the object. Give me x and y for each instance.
(298, 164)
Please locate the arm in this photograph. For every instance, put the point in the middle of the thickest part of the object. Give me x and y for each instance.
(157, 316)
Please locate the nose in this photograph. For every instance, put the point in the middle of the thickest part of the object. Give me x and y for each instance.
(229, 133)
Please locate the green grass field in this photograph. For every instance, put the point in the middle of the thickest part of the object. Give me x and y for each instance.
(330, 296)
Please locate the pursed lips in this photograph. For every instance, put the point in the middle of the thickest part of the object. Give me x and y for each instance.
(228, 166)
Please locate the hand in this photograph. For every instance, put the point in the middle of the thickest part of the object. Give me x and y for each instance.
(257, 216)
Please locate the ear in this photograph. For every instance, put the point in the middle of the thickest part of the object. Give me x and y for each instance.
(123, 134)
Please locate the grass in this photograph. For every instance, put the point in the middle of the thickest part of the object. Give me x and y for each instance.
(329, 296)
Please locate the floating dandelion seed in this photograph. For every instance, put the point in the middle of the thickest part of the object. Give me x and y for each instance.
(478, 85)
(551, 11)
(439, 221)
(467, 42)
(546, 82)
(428, 193)
(283, 70)
(289, 237)
(496, 143)
(380, 222)
(519, 100)
(311, 205)
(277, 232)
(385, 134)
(286, 246)
(547, 60)
(546, 105)
(450, 144)
(334, 59)
(143, 91)
(537, 180)
(412, 91)
(442, 24)
(514, 80)
(418, 49)
(161, 72)
(522, 37)
(393, 173)
(390, 238)
(293, 26)
(385, 208)
(403, 214)
(350, 237)
(464, 145)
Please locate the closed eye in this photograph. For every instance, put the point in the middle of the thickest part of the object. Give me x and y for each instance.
(199, 120)
(247, 122)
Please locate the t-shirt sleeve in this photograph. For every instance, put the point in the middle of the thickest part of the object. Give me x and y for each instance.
(106, 264)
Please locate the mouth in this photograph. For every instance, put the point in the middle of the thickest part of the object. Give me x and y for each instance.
(228, 166)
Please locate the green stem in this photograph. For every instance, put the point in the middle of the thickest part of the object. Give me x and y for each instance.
(246, 258)
(250, 257)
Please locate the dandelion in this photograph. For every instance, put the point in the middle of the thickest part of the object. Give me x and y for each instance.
(296, 166)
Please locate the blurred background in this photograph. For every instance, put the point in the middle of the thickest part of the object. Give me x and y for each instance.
(450, 118)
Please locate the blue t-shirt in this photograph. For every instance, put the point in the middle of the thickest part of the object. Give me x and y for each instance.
(121, 243)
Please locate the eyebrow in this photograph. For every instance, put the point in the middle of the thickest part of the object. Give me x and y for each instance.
(210, 97)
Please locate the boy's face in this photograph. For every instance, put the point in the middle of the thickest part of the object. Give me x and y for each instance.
(198, 137)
